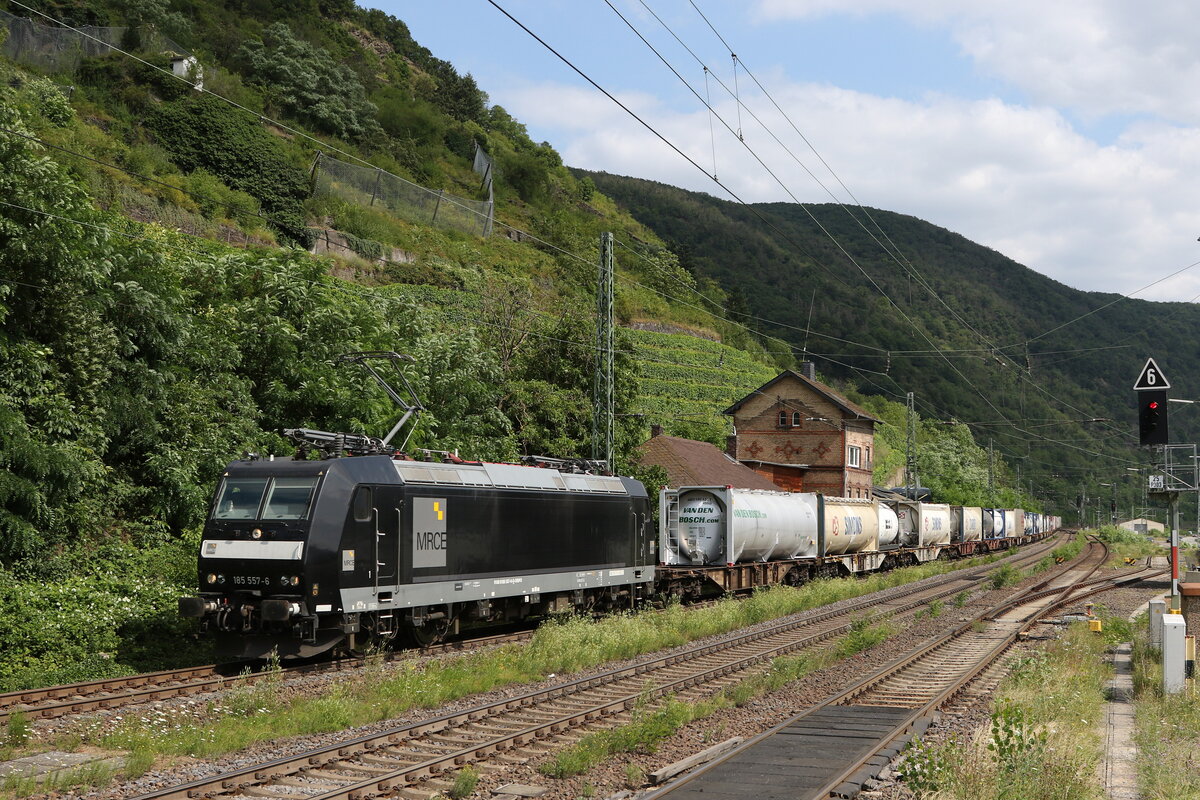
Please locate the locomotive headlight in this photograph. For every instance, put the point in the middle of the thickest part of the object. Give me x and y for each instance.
(295, 580)
(220, 579)
(212, 577)
(256, 533)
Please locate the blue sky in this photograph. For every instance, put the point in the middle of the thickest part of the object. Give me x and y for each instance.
(1064, 135)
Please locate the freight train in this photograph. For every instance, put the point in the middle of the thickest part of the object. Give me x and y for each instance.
(302, 556)
(722, 539)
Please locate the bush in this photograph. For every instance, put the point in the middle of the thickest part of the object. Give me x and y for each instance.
(216, 200)
(202, 132)
(99, 612)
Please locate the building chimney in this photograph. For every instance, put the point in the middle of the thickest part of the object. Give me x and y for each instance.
(655, 430)
(809, 369)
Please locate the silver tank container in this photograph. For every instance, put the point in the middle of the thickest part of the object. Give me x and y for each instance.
(851, 525)
(968, 523)
(999, 523)
(889, 526)
(923, 524)
(724, 525)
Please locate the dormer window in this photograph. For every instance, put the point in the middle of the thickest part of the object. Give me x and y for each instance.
(796, 421)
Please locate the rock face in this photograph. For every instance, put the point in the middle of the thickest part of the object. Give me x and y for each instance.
(331, 242)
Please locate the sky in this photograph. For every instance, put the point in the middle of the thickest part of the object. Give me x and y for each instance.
(1064, 135)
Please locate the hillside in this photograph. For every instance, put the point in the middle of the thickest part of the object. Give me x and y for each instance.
(180, 274)
(995, 321)
(160, 314)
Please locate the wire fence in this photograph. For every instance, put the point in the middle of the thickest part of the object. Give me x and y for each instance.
(486, 168)
(60, 50)
(378, 189)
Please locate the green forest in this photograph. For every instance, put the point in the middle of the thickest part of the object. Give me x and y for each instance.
(161, 314)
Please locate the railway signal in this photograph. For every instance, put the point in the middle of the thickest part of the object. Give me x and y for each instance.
(1151, 387)
(1152, 417)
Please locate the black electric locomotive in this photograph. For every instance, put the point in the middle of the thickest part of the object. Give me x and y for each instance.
(302, 556)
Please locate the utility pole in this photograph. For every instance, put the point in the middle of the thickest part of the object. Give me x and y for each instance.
(602, 411)
(911, 482)
(991, 476)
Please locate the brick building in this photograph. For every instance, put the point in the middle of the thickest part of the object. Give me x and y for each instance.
(803, 436)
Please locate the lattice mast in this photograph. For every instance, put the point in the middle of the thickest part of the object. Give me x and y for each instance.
(911, 483)
(602, 412)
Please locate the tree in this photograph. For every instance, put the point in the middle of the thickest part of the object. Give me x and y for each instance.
(307, 83)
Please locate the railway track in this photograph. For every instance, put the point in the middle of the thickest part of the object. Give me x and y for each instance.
(842, 737)
(100, 695)
(77, 698)
(412, 761)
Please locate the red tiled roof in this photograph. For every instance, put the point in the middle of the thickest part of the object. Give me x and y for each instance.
(692, 463)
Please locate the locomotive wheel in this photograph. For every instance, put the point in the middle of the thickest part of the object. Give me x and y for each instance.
(429, 633)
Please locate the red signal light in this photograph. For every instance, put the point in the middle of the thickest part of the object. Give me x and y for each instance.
(1153, 404)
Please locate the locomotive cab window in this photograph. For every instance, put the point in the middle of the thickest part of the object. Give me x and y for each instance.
(363, 502)
(289, 498)
(240, 498)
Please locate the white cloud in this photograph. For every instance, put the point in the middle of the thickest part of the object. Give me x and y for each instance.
(1095, 57)
(1019, 180)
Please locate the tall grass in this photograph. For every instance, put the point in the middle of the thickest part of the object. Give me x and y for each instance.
(1167, 730)
(1124, 544)
(1043, 741)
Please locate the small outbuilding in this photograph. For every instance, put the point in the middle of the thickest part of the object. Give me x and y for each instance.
(1142, 525)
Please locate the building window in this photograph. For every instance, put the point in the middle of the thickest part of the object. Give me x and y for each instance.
(854, 456)
(868, 464)
(796, 419)
(783, 419)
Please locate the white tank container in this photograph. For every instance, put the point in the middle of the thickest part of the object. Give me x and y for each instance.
(722, 525)
(889, 526)
(923, 524)
(999, 523)
(968, 521)
(1014, 522)
(851, 525)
